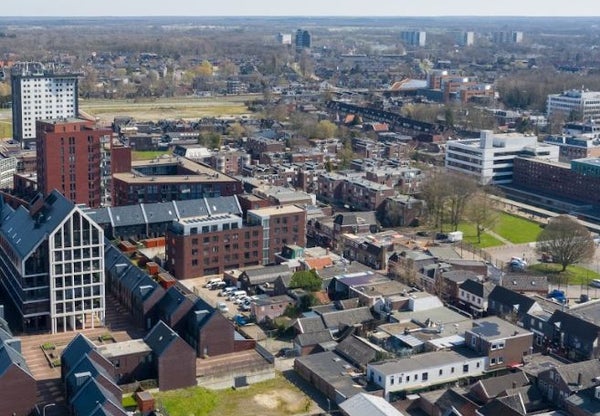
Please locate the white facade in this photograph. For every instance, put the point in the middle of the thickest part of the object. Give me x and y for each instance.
(424, 370)
(490, 158)
(585, 104)
(476, 301)
(39, 94)
(8, 167)
(76, 274)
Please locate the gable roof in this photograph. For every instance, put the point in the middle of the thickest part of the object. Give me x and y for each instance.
(24, 232)
(357, 350)
(589, 370)
(310, 324)
(574, 325)
(508, 297)
(525, 283)
(9, 357)
(363, 404)
(476, 288)
(79, 346)
(91, 395)
(347, 317)
(495, 385)
(313, 338)
(266, 274)
(160, 337)
(505, 406)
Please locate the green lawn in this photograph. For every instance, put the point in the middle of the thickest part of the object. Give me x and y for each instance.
(574, 275)
(470, 236)
(517, 230)
(147, 154)
(275, 397)
(5, 129)
(193, 401)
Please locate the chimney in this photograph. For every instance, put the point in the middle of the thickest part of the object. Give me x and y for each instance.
(82, 378)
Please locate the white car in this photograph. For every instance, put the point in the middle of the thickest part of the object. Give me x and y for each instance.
(222, 307)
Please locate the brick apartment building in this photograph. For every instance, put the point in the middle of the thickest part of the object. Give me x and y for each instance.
(68, 159)
(208, 245)
(352, 190)
(170, 179)
(553, 178)
(281, 225)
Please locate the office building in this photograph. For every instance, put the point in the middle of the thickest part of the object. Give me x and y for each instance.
(40, 93)
(490, 158)
(574, 104)
(465, 38)
(303, 39)
(507, 37)
(284, 38)
(52, 265)
(69, 158)
(413, 38)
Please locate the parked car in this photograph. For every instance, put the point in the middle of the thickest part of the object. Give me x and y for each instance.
(595, 283)
(240, 320)
(557, 295)
(222, 307)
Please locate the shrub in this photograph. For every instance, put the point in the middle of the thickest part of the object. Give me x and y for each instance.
(48, 346)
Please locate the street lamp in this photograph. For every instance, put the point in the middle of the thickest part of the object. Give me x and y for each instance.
(46, 406)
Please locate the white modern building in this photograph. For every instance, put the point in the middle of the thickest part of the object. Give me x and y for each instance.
(581, 104)
(490, 158)
(414, 38)
(421, 371)
(39, 93)
(52, 265)
(8, 167)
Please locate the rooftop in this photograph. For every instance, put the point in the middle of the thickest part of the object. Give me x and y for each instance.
(493, 328)
(424, 361)
(119, 349)
(278, 210)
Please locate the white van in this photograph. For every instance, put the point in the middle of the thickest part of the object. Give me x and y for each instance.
(237, 294)
(218, 285)
(222, 307)
(211, 282)
(226, 291)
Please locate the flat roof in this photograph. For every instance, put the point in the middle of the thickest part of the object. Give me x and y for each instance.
(134, 346)
(278, 210)
(492, 328)
(418, 362)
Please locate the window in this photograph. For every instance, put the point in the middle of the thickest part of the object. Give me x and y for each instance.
(424, 376)
(416, 377)
(493, 361)
(392, 380)
(407, 379)
(478, 364)
(452, 370)
(500, 360)
(441, 372)
(466, 368)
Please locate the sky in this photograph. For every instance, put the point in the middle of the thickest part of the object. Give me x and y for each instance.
(387, 8)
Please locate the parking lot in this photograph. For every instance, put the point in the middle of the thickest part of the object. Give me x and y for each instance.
(211, 296)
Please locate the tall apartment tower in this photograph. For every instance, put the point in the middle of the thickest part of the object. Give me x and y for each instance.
(303, 39)
(69, 158)
(414, 38)
(40, 93)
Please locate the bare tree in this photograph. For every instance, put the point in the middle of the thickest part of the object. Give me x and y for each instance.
(567, 241)
(482, 211)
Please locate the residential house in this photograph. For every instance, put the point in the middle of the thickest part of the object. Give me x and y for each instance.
(79, 347)
(485, 390)
(93, 399)
(526, 284)
(584, 403)
(18, 387)
(452, 279)
(473, 296)
(502, 343)
(559, 383)
(421, 371)
(312, 342)
(509, 304)
(270, 307)
(446, 402)
(173, 359)
(359, 351)
(576, 335)
(173, 307)
(255, 280)
(340, 286)
(538, 321)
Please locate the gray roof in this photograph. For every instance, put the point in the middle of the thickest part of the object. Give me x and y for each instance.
(267, 274)
(192, 208)
(9, 356)
(313, 338)
(24, 232)
(310, 324)
(589, 370)
(77, 348)
(90, 396)
(159, 212)
(355, 218)
(348, 317)
(493, 386)
(525, 283)
(477, 288)
(423, 361)
(357, 350)
(492, 328)
(364, 404)
(127, 215)
(160, 337)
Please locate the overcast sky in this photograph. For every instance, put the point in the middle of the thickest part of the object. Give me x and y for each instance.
(300, 8)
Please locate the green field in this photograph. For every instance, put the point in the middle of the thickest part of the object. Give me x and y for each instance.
(147, 154)
(269, 398)
(517, 230)
(470, 236)
(5, 129)
(574, 275)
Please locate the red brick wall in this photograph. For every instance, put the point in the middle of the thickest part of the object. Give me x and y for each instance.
(177, 366)
(17, 392)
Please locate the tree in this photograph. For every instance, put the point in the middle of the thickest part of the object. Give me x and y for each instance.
(325, 129)
(567, 241)
(307, 280)
(482, 211)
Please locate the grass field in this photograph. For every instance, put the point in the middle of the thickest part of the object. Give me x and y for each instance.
(517, 230)
(270, 398)
(470, 236)
(189, 108)
(5, 129)
(574, 275)
(147, 155)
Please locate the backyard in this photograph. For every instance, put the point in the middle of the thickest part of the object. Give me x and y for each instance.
(269, 398)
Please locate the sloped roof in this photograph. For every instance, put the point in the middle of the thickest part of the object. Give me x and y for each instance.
(127, 215)
(223, 205)
(173, 300)
(525, 283)
(24, 232)
(313, 338)
(589, 370)
(267, 274)
(495, 385)
(84, 365)
(191, 208)
(160, 337)
(348, 317)
(506, 296)
(357, 350)
(318, 263)
(355, 218)
(159, 212)
(91, 395)
(503, 406)
(476, 288)
(575, 325)
(310, 324)
(9, 356)
(363, 404)
(79, 346)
